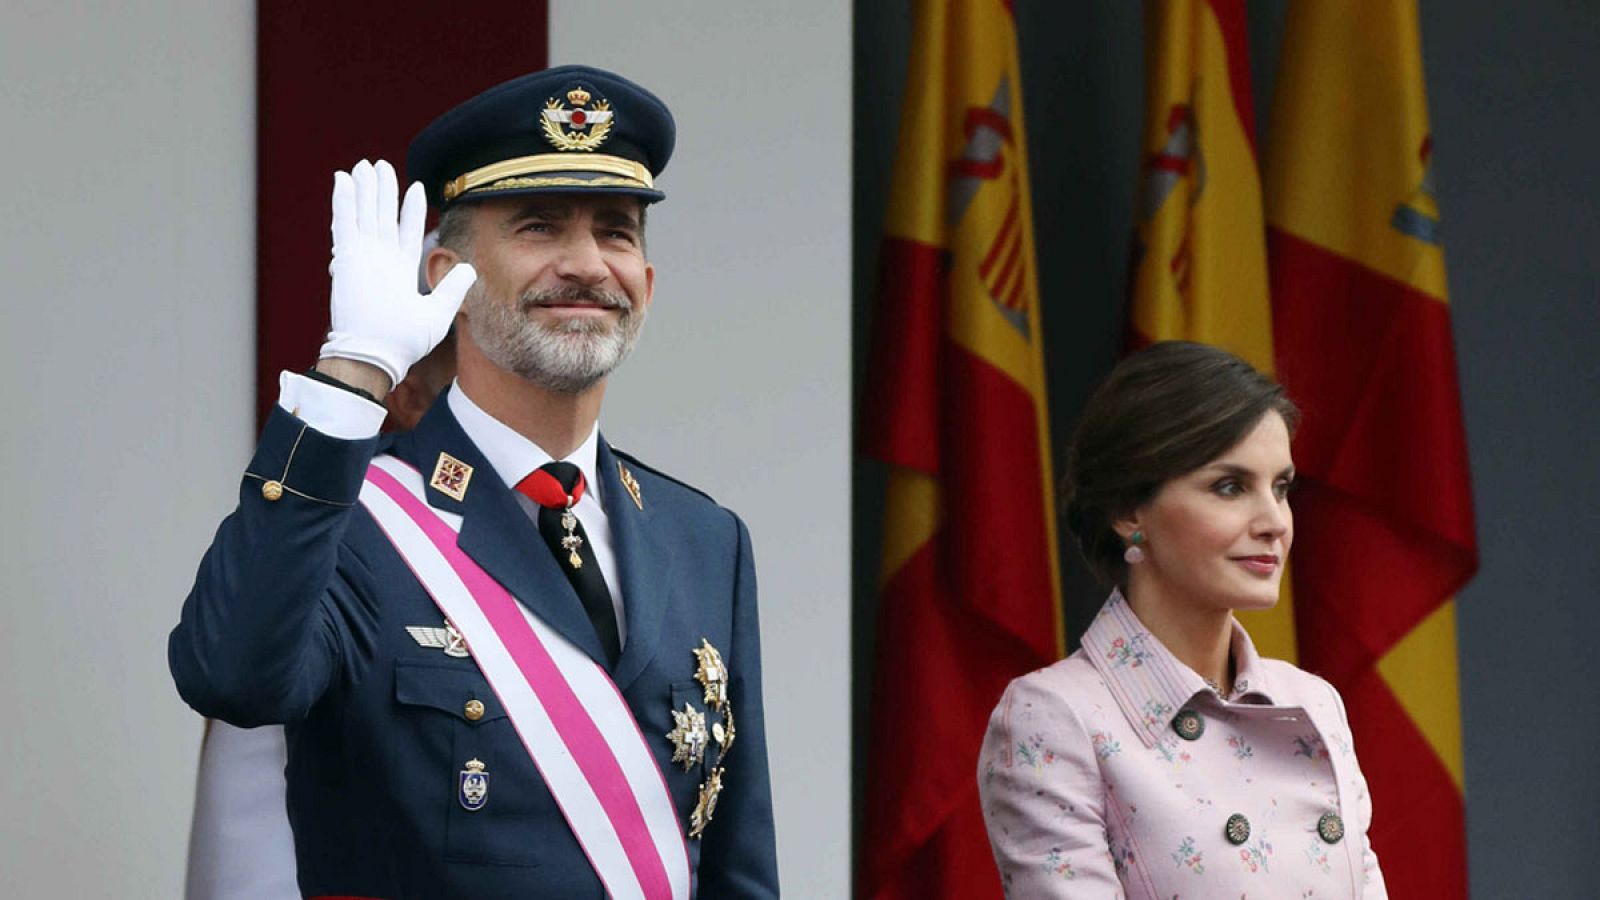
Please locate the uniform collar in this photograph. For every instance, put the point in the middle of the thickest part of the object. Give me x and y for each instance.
(1149, 684)
(512, 456)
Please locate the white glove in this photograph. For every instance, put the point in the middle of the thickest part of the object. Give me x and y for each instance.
(378, 315)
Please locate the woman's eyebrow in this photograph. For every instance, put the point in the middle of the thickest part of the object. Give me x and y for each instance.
(1237, 471)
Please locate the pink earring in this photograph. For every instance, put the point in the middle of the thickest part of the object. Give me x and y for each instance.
(1134, 555)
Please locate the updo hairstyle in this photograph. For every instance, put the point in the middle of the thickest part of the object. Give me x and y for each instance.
(1162, 412)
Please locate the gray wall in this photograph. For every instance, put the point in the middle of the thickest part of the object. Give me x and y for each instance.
(125, 365)
(1511, 91)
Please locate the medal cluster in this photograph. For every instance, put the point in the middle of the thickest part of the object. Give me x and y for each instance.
(692, 740)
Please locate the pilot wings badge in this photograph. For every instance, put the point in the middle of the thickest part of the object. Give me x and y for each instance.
(447, 639)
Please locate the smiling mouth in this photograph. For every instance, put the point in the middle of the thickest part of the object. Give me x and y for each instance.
(575, 300)
(576, 306)
(1265, 564)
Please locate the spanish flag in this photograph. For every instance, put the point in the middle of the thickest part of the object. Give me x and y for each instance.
(1200, 250)
(955, 406)
(1362, 325)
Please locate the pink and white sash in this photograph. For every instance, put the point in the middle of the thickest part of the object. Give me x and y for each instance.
(571, 718)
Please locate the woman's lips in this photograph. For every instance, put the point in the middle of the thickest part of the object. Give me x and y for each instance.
(1258, 565)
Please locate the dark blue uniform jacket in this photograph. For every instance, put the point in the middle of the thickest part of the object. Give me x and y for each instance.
(298, 615)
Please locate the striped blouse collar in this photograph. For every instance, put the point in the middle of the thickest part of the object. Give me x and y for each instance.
(1149, 684)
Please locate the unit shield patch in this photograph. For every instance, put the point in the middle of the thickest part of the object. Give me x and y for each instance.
(474, 786)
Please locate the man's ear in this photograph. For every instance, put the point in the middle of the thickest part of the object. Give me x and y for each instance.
(406, 404)
(440, 261)
(649, 286)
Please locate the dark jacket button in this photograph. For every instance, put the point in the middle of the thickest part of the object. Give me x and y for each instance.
(1330, 828)
(1237, 830)
(1189, 725)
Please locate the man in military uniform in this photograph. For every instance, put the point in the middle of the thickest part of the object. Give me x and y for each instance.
(240, 844)
(511, 660)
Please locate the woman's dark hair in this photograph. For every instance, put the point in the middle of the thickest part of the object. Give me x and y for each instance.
(1162, 412)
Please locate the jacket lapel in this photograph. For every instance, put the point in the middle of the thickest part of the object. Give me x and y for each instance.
(645, 565)
(498, 534)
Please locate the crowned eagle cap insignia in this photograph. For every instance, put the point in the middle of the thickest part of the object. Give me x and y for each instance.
(580, 121)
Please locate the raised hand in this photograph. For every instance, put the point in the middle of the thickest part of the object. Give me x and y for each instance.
(379, 317)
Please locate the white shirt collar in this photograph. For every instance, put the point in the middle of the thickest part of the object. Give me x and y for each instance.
(513, 456)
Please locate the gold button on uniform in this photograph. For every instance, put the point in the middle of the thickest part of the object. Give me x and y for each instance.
(1237, 830)
(1330, 828)
(474, 710)
(272, 490)
(1189, 725)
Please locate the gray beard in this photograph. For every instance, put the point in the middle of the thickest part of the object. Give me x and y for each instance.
(566, 358)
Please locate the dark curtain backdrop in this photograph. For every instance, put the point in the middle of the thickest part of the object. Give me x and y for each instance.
(1510, 93)
(337, 83)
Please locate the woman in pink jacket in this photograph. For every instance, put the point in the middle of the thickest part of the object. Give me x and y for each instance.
(1165, 758)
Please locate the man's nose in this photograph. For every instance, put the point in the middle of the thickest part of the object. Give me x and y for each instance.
(581, 260)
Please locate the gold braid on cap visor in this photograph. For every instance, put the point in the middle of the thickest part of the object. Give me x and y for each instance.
(515, 171)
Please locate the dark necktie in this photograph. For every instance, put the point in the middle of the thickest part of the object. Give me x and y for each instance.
(557, 487)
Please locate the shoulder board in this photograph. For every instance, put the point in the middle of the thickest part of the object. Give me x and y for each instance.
(633, 461)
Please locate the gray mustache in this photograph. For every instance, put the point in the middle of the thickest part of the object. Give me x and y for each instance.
(574, 294)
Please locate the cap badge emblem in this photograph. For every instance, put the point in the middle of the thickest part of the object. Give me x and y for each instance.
(574, 123)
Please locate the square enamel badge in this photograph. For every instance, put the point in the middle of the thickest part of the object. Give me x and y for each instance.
(450, 477)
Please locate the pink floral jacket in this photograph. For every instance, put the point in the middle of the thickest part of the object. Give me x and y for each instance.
(1117, 773)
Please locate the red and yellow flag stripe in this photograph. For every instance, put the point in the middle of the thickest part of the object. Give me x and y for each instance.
(956, 407)
(1362, 325)
(1200, 254)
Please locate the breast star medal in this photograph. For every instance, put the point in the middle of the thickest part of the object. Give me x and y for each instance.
(688, 737)
(474, 786)
(712, 675)
(706, 806)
